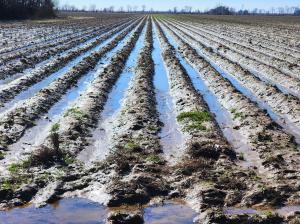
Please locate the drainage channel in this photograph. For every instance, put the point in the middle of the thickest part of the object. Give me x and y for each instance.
(222, 116)
(38, 86)
(36, 135)
(172, 139)
(99, 142)
(288, 126)
(79, 210)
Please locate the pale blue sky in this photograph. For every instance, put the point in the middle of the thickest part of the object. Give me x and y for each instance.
(196, 4)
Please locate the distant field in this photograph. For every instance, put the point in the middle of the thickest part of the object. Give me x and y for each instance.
(159, 118)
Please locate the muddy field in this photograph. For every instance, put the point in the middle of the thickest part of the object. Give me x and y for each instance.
(115, 118)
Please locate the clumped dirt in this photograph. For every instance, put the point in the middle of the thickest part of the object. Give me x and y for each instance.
(208, 176)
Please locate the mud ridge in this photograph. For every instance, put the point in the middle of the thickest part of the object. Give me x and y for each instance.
(257, 124)
(289, 81)
(15, 87)
(286, 106)
(22, 116)
(62, 144)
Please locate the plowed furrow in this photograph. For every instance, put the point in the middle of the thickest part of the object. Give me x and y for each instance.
(136, 142)
(20, 64)
(99, 143)
(253, 40)
(286, 68)
(265, 33)
(265, 137)
(240, 42)
(56, 33)
(284, 109)
(208, 155)
(21, 117)
(50, 47)
(11, 90)
(264, 72)
(86, 111)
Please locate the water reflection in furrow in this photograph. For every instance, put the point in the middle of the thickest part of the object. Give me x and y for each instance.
(36, 135)
(171, 137)
(45, 82)
(79, 210)
(222, 116)
(286, 123)
(99, 146)
(40, 65)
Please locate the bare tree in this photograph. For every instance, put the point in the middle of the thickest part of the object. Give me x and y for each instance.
(187, 9)
(129, 8)
(92, 8)
(175, 10)
(21, 9)
(111, 9)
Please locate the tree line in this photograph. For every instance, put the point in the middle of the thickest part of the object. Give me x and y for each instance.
(223, 10)
(218, 10)
(25, 9)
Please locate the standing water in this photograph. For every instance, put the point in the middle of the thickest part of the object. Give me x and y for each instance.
(171, 138)
(36, 135)
(46, 81)
(79, 210)
(98, 149)
(222, 115)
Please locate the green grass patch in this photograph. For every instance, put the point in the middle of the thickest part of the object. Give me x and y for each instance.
(154, 128)
(68, 159)
(55, 128)
(15, 168)
(196, 117)
(132, 147)
(199, 116)
(76, 113)
(6, 185)
(2, 154)
(237, 114)
(18, 167)
(241, 156)
(154, 159)
(197, 126)
(262, 137)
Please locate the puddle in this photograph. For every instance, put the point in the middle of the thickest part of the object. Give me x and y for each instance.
(171, 138)
(36, 135)
(222, 116)
(170, 212)
(98, 148)
(241, 211)
(283, 211)
(46, 81)
(288, 209)
(79, 210)
(71, 210)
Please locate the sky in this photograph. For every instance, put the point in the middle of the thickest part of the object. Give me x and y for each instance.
(196, 4)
